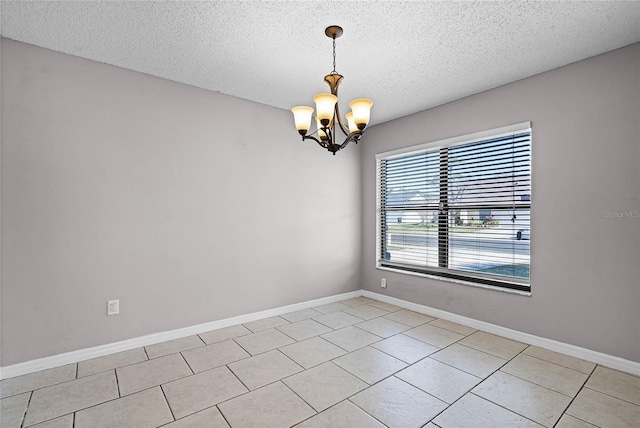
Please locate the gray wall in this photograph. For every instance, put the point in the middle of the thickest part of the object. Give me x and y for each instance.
(121, 185)
(187, 205)
(586, 162)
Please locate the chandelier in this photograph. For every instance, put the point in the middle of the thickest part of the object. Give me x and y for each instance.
(328, 113)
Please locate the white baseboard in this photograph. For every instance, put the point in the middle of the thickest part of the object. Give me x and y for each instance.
(125, 345)
(563, 348)
(99, 351)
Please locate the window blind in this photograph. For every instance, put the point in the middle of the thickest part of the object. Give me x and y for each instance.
(459, 211)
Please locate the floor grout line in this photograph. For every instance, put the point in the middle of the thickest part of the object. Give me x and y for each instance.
(300, 397)
(187, 362)
(559, 365)
(166, 400)
(241, 382)
(115, 371)
(26, 409)
(223, 416)
(503, 407)
(607, 394)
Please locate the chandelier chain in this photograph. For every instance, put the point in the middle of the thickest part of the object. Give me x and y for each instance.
(334, 55)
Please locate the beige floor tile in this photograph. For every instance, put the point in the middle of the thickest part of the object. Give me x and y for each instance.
(470, 360)
(410, 318)
(331, 307)
(301, 315)
(146, 409)
(618, 384)
(263, 369)
(324, 385)
(61, 422)
(109, 362)
(382, 327)
(351, 338)
(386, 306)
(274, 405)
(208, 418)
(366, 312)
(398, 404)
(438, 379)
(530, 384)
(435, 336)
(494, 345)
(214, 355)
(265, 324)
(12, 410)
(173, 346)
(304, 329)
(226, 333)
(604, 410)
(472, 411)
(18, 385)
(357, 301)
(264, 341)
(525, 398)
(369, 364)
(560, 359)
(343, 415)
(568, 421)
(147, 374)
(68, 397)
(552, 376)
(311, 352)
(202, 390)
(405, 348)
(337, 320)
(452, 326)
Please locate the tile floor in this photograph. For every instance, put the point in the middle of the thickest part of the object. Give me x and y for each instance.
(357, 363)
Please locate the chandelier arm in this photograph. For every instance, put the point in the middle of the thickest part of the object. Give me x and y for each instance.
(351, 137)
(345, 129)
(309, 137)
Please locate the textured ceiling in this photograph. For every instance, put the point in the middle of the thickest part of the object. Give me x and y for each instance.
(405, 56)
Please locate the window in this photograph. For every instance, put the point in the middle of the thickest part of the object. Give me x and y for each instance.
(459, 208)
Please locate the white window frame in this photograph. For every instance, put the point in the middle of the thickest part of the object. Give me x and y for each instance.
(435, 145)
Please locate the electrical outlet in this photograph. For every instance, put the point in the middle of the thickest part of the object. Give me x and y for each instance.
(113, 307)
(383, 283)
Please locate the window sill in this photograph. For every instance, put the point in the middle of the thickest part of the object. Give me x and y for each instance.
(457, 281)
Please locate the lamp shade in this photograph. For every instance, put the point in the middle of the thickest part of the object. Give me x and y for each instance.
(352, 124)
(302, 117)
(361, 109)
(325, 105)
